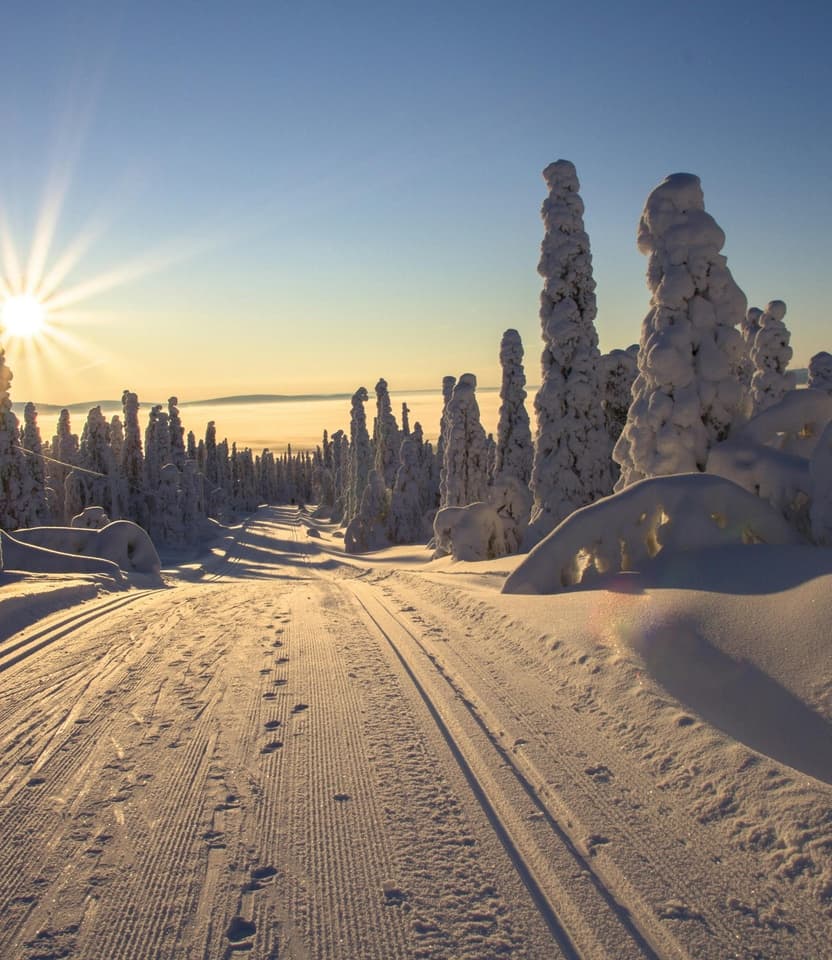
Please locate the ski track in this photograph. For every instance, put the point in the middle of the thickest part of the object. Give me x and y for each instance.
(279, 762)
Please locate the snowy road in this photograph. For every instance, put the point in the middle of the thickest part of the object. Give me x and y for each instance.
(293, 760)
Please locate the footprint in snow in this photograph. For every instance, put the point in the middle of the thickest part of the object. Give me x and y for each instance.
(300, 707)
(272, 724)
(272, 746)
(240, 929)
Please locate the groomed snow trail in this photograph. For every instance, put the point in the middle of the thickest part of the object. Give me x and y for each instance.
(239, 766)
(299, 759)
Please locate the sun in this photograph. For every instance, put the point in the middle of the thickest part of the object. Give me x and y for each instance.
(23, 315)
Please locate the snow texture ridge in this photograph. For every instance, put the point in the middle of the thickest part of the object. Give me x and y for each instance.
(688, 394)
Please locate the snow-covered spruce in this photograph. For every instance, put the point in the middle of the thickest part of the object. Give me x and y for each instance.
(618, 371)
(101, 485)
(749, 325)
(407, 501)
(177, 433)
(770, 355)
(448, 384)
(13, 467)
(820, 371)
(132, 460)
(514, 452)
(368, 529)
(386, 436)
(571, 462)
(687, 395)
(360, 455)
(464, 468)
(35, 492)
(673, 513)
(64, 456)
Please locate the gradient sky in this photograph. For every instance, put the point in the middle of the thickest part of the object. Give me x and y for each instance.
(294, 198)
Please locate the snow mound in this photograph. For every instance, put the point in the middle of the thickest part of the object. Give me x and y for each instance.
(93, 518)
(675, 513)
(121, 543)
(15, 554)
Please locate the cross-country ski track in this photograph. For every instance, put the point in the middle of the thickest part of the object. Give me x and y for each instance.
(301, 756)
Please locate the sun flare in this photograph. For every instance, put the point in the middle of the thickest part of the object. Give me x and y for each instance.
(23, 316)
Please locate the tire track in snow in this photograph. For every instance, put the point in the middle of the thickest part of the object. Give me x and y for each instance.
(546, 864)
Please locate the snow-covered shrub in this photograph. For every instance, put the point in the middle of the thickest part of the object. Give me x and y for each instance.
(770, 355)
(91, 518)
(769, 456)
(571, 459)
(470, 533)
(123, 542)
(464, 468)
(16, 554)
(621, 532)
(368, 529)
(687, 395)
(820, 371)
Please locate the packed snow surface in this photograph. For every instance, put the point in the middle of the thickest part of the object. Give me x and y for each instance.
(295, 752)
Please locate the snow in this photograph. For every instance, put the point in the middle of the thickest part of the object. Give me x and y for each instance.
(121, 542)
(672, 721)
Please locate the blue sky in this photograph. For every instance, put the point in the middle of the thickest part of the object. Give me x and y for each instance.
(319, 194)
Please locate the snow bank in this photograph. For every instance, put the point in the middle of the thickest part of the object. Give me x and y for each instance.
(122, 542)
(675, 513)
(17, 554)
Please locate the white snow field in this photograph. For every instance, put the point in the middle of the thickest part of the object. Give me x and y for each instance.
(293, 753)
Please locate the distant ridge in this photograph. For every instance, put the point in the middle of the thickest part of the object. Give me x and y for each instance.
(86, 406)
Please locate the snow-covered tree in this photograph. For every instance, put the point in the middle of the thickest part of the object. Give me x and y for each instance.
(820, 372)
(687, 395)
(448, 384)
(177, 434)
(515, 452)
(749, 325)
(360, 458)
(405, 420)
(368, 528)
(340, 467)
(407, 501)
(35, 492)
(65, 453)
(157, 451)
(465, 466)
(132, 460)
(571, 462)
(13, 507)
(386, 436)
(770, 355)
(98, 485)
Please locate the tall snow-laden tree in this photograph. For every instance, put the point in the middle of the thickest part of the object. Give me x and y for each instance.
(407, 501)
(618, 371)
(99, 486)
(448, 384)
(35, 493)
(770, 355)
(405, 420)
(571, 462)
(132, 460)
(386, 436)
(465, 466)
(177, 434)
(820, 372)
(157, 450)
(515, 452)
(13, 507)
(368, 528)
(749, 325)
(360, 458)
(688, 394)
(65, 453)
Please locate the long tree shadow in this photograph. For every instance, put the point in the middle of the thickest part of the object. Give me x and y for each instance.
(739, 699)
